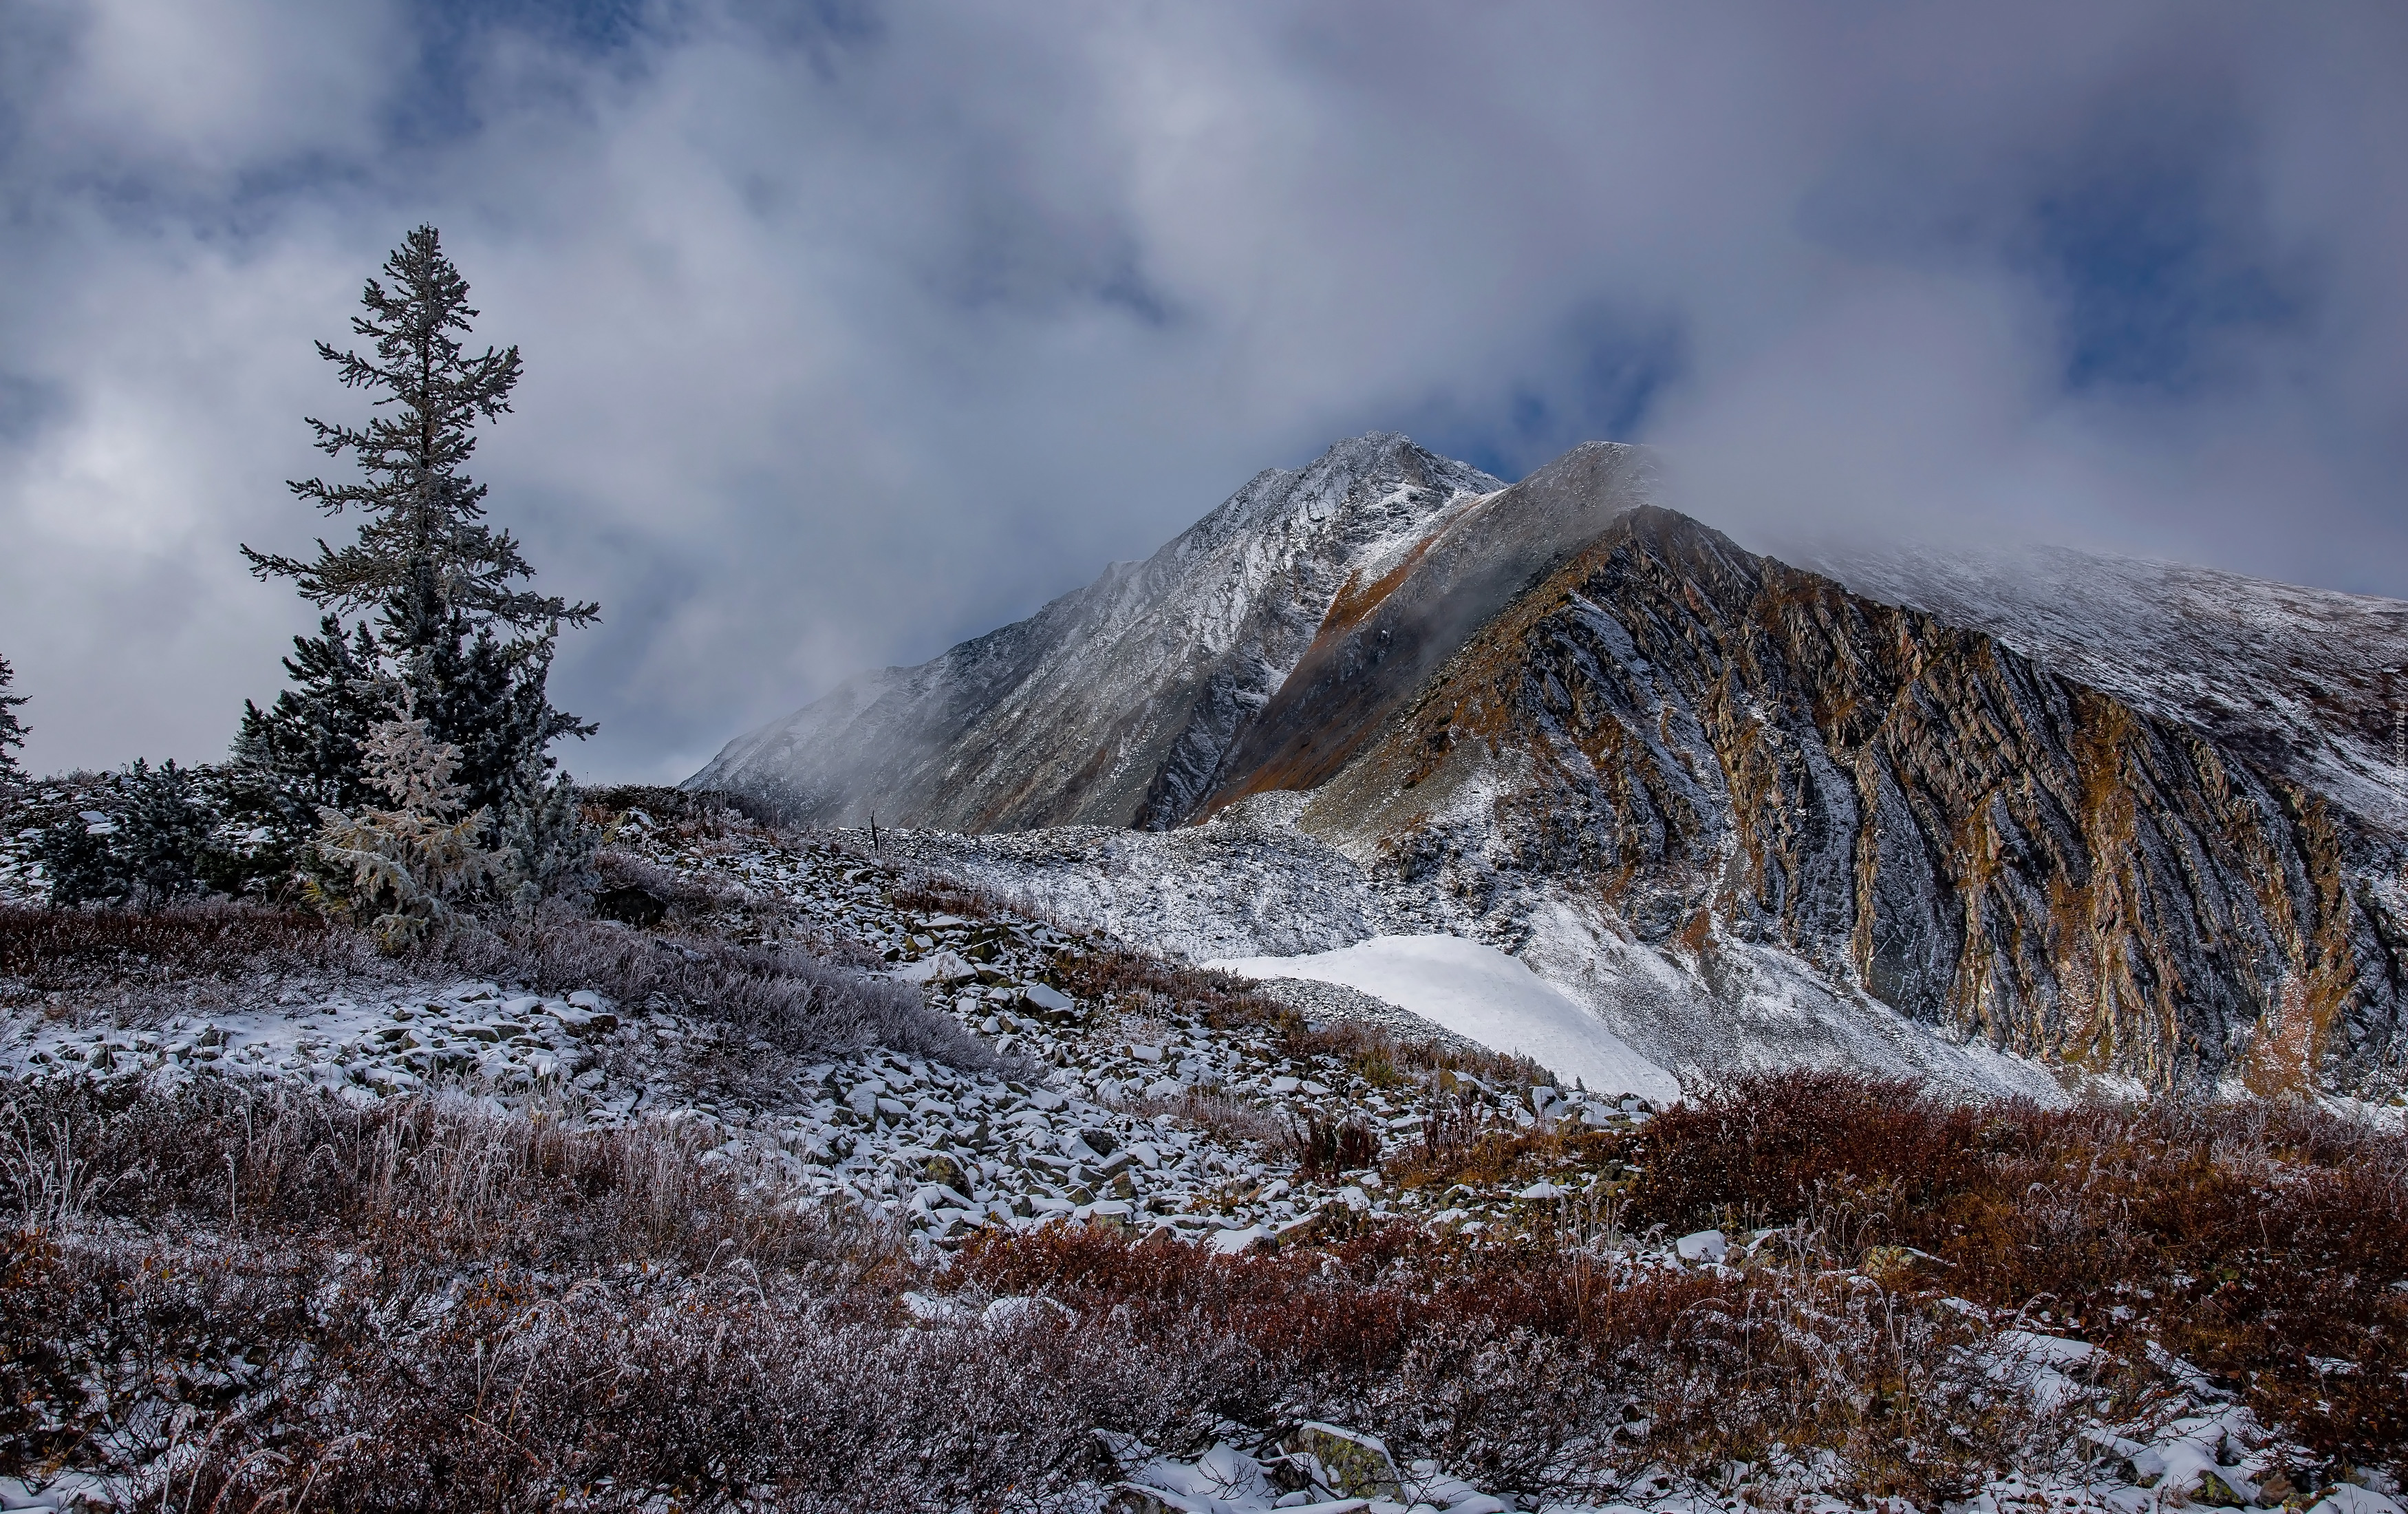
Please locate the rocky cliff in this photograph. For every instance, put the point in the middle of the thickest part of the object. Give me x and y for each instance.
(1717, 750)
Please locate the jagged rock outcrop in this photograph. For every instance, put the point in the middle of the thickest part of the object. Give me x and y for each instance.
(1116, 704)
(1717, 748)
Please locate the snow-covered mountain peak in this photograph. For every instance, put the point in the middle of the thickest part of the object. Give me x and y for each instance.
(2143, 819)
(1376, 487)
(1115, 703)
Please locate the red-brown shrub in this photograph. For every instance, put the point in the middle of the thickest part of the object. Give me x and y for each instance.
(2258, 1239)
(1769, 1143)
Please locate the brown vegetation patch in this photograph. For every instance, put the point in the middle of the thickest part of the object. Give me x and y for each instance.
(1528, 1366)
(2256, 1239)
(83, 952)
(420, 1306)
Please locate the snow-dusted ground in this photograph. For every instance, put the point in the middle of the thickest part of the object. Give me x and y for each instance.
(1478, 991)
(1249, 885)
(2194, 1446)
(1751, 1005)
(1092, 1119)
(1083, 1121)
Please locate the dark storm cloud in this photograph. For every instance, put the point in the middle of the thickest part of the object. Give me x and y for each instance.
(853, 329)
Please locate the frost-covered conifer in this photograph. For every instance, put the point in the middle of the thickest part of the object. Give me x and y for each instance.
(13, 731)
(404, 869)
(458, 639)
(547, 849)
(148, 844)
(301, 753)
(476, 692)
(420, 512)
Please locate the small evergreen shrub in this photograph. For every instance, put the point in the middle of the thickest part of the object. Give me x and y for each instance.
(143, 837)
(403, 869)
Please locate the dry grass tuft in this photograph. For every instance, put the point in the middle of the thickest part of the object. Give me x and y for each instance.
(795, 1000)
(1226, 1117)
(1537, 1368)
(689, 812)
(1325, 1148)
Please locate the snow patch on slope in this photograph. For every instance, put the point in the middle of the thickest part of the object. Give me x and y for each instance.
(1478, 991)
(1740, 1007)
(1249, 885)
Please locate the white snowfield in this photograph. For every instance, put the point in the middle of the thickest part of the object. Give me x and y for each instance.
(1479, 991)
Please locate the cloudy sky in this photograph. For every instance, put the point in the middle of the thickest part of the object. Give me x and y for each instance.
(853, 330)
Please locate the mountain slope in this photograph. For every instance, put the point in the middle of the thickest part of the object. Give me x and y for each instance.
(1714, 750)
(1114, 705)
(1382, 642)
(2302, 681)
(1744, 815)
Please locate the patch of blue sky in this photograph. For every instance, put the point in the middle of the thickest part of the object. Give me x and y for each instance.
(2150, 275)
(2144, 231)
(1600, 377)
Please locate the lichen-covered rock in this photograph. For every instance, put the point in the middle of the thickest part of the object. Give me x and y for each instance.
(1356, 1464)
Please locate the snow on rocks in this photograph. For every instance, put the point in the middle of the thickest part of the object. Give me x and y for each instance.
(1705, 1246)
(1479, 992)
(1249, 883)
(2045, 1364)
(509, 1045)
(1089, 1115)
(1316, 1468)
(2192, 1449)
(2349, 1499)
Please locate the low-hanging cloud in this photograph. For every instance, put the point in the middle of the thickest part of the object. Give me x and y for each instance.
(854, 330)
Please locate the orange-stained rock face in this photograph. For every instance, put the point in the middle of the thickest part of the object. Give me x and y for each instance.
(1709, 742)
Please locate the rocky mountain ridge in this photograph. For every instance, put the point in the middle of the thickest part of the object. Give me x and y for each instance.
(1114, 705)
(2305, 682)
(1743, 812)
(1703, 746)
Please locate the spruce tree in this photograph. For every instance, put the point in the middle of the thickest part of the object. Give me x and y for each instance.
(13, 731)
(459, 641)
(478, 693)
(147, 842)
(422, 513)
(301, 753)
